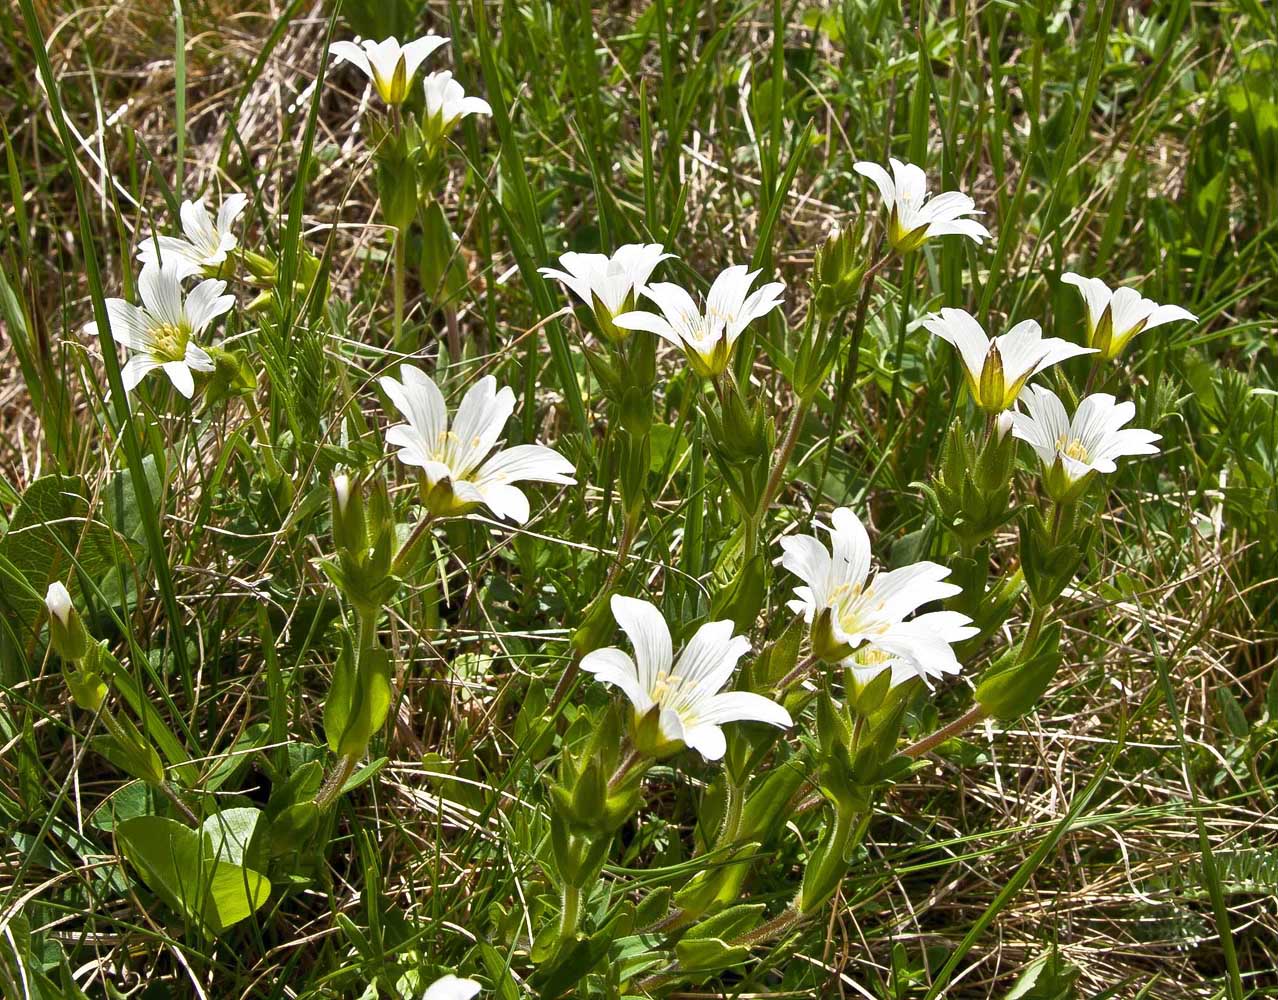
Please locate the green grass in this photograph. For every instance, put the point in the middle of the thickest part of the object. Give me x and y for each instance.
(1115, 841)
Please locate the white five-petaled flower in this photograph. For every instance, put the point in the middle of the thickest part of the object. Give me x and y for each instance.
(609, 285)
(447, 104)
(206, 244)
(451, 988)
(1072, 451)
(859, 621)
(996, 370)
(706, 336)
(161, 331)
(912, 218)
(58, 600)
(388, 64)
(459, 473)
(1116, 315)
(685, 698)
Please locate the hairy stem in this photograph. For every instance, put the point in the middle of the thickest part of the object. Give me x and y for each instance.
(570, 912)
(804, 665)
(628, 763)
(397, 281)
(969, 718)
(334, 782)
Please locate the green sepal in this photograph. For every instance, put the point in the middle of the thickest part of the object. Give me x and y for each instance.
(232, 377)
(609, 380)
(590, 793)
(634, 461)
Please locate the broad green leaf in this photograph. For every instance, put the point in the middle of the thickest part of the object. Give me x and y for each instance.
(171, 860)
(51, 525)
(229, 834)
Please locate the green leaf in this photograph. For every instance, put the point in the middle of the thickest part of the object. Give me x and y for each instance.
(229, 834)
(120, 501)
(172, 860)
(51, 532)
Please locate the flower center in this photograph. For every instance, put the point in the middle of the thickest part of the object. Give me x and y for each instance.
(666, 685)
(1073, 448)
(855, 614)
(871, 656)
(168, 342)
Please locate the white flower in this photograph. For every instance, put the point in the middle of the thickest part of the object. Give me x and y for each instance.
(58, 601)
(686, 697)
(609, 285)
(207, 242)
(1116, 315)
(997, 370)
(706, 337)
(389, 65)
(459, 475)
(912, 218)
(161, 332)
(451, 988)
(859, 620)
(447, 104)
(1072, 451)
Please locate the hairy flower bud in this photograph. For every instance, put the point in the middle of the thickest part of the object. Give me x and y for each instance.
(67, 633)
(836, 273)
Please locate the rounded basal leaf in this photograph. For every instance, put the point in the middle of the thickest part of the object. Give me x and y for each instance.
(171, 859)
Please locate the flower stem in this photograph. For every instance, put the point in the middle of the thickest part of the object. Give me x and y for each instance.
(851, 365)
(334, 782)
(171, 794)
(397, 281)
(1035, 627)
(969, 718)
(735, 795)
(628, 763)
(628, 532)
(265, 444)
(802, 668)
(570, 913)
(783, 456)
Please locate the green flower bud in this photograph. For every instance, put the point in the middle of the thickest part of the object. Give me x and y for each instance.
(350, 531)
(836, 274)
(263, 269)
(67, 633)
